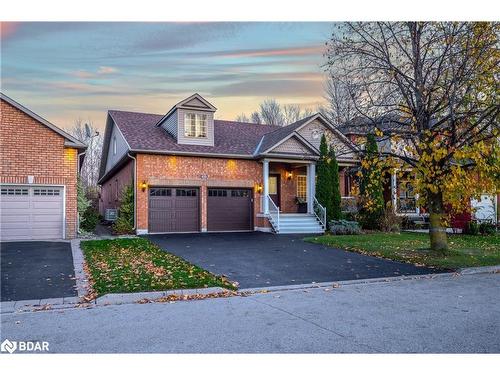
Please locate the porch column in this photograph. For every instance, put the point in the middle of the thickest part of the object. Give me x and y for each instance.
(394, 192)
(311, 187)
(265, 201)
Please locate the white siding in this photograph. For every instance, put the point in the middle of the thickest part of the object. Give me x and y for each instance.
(121, 148)
(317, 128)
(170, 124)
(195, 102)
(182, 139)
(291, 146)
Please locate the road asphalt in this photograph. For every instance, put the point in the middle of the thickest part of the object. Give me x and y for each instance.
(438, 314)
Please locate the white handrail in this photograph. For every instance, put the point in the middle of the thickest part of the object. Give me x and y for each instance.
(277, 212)
(322, 212)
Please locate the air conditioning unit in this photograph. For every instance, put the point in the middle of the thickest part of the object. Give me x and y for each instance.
(111, 214)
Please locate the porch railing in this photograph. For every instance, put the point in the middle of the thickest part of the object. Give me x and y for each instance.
(274, 214)
(320, 212)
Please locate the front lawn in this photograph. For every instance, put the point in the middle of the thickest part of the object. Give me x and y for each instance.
(135, 265)
(465, 250)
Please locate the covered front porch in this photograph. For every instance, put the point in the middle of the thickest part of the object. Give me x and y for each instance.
(288, 196)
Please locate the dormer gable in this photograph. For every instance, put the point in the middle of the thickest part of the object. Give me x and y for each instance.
(191, 121)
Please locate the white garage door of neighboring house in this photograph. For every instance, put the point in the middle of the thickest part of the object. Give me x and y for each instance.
(31, 212)
(484, 209)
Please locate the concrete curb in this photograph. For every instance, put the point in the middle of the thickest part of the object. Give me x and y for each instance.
(461, 271)
(123, 298)
(475, 270)
(82, 283)
(106, 300)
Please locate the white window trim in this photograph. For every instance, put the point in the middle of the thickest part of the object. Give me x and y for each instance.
(305, 181)
(200, 131)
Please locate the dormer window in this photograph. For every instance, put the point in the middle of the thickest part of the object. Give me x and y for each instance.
(195, 125)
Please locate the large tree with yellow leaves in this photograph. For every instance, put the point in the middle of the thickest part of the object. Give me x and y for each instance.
(437, 84)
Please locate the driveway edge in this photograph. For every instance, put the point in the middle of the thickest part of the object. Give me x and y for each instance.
(82, 283)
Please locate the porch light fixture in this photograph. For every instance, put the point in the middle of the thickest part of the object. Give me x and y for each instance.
(144, 185)
(289, 175)
(258, 188)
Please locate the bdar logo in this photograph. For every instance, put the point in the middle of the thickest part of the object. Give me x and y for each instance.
(8, 346)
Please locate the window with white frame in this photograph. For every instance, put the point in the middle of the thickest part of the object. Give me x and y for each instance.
(195, 125)
(302, 187)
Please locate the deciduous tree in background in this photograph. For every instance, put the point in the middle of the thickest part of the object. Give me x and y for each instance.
(89, 172)
(271, 112)
(437, 82)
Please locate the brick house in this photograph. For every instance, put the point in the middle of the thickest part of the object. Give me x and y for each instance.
(398, 188)
(38, 176)
(192, 173)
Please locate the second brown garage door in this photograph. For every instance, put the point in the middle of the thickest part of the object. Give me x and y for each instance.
(173, 210)
(229, 209)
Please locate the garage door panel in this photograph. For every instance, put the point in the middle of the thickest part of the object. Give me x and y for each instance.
(229, 209)
(46, 232)
(15, 205)
(173, 210)
(31, 213)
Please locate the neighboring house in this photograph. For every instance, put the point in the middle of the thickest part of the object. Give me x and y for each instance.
(399, 190)
(38, 176)
(192, 173)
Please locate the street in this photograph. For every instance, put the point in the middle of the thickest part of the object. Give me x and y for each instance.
(443, 314)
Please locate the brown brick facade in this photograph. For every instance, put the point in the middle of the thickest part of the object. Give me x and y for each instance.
(111, 190)
(163, 170)
(29, 148)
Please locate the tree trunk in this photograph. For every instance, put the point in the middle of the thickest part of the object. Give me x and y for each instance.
(437, 231)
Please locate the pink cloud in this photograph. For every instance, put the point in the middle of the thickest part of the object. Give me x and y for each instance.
(106, 70)
(103, 70)
(296, 51)
(7, 29)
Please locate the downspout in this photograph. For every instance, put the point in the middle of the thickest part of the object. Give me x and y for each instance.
(135, 189)
(77, 177)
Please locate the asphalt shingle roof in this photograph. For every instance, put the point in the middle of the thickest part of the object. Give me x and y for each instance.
(230, 137)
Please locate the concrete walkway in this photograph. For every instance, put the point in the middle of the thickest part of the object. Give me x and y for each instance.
(445, 313)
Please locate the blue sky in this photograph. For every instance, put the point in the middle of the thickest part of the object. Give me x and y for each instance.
(65, 71)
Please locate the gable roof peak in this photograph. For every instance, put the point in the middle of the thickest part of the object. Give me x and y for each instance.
(71, 141)
(195, 101)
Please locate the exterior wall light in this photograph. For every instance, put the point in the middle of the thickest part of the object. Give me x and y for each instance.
(144, 185)
(289, 175)
(258, 188)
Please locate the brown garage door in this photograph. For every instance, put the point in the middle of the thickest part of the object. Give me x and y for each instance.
(174, 210)
(229, 209)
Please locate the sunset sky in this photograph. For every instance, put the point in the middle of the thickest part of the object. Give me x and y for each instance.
(65, 71)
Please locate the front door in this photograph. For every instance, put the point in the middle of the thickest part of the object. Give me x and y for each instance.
(274, 188)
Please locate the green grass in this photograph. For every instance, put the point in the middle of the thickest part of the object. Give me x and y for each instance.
(465, 250)
(135, 265)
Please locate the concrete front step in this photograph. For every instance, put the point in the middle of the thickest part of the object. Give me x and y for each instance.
(288, 231)
(298, 223)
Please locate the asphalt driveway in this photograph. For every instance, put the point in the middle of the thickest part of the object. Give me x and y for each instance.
(257, 259)
(36, 270)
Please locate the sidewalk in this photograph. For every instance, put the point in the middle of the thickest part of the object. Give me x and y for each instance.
(455, 314)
